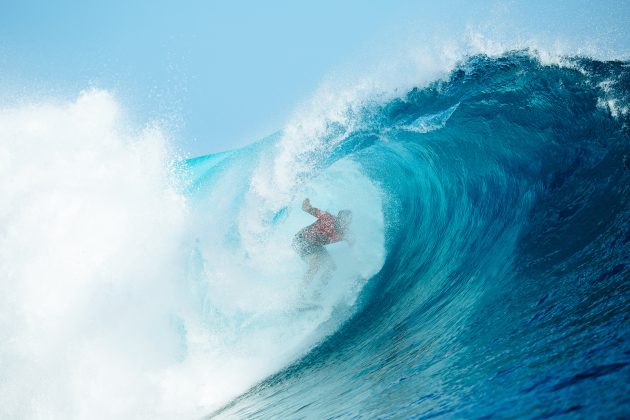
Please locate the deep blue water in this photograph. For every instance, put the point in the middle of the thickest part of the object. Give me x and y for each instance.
(505, 291)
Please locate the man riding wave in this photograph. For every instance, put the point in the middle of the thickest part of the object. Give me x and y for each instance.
(309, 242)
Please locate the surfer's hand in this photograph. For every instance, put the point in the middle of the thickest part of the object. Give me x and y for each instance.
(306, 205)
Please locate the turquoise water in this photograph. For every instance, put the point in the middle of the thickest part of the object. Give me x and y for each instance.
(504, 288)
(489, 274)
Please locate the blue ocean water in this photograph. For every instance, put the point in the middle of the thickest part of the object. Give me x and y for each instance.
(504, 287)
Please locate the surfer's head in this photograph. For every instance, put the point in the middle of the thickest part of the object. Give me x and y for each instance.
(344, 217)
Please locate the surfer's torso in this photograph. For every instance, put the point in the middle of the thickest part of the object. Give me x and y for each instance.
(324, 231)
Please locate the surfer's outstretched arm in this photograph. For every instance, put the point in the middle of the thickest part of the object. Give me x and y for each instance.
(307, 207)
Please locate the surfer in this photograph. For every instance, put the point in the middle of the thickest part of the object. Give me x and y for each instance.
(309, 242)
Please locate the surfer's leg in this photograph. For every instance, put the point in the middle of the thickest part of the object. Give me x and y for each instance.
(328, 264)
(314, 262)
(313, 267)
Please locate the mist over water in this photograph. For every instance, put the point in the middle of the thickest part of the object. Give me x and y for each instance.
(91, 244)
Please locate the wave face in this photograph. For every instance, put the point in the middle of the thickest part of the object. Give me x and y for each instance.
(505, 288)
(490, 273)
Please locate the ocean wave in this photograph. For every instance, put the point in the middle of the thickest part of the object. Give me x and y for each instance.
(489, 273)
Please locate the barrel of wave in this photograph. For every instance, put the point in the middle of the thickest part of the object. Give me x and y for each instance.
(264, 270)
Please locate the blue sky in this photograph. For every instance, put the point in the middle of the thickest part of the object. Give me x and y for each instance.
(223, 74)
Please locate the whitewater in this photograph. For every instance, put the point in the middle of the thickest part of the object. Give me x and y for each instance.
(489, 276)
